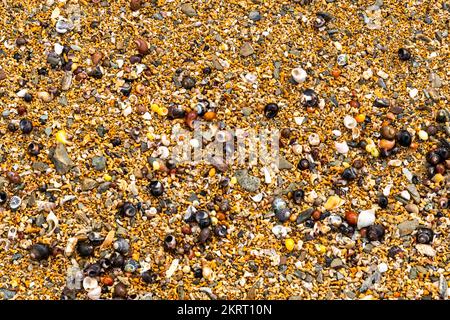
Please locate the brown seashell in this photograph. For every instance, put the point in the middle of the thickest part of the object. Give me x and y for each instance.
(386, 144)
(13, 177)
(388, 132)
(142, 46)
(141, 109)
(96, 57)
(189, 119)
(135, 5)
(210, 115)
(108, 239)
(140, 88)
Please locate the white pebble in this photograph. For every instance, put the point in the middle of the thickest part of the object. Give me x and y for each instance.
(127, 111)
(299, 75)
(250, 77)
(22, 93)
(194, 143)
(366, 218)
(382, 267)
(387, 190)
(395, 163)
(423, 135)
(147, 116)
(413, 93)
(367, 74)
(341, 147)
(258, 197)
(382, 74)
(407, 174)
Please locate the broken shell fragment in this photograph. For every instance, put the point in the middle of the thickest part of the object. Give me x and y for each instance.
(333, 202)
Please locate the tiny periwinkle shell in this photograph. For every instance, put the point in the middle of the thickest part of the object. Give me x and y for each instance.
(93, 270)
(424, 235)
(128, 209)
(122, 246)
(220, 230)
(170, 242)
(39, 251)
(283, 214)
(131, 266)
(85, 249)
(309, 98)
(375, 232)
(202, 218)
(205, 234)
(278, 204)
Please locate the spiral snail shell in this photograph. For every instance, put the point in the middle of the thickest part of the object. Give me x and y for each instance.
(424, 235)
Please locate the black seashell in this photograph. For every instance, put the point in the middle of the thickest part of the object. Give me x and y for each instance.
(156, 188)
(39, 251)
(85, 249)
(202, 218)
(298, 196)
(117, 260)
(176, 112)
(283, 214)
(433, 158)
(95, 238)
(170, 242)
(349, 174)
(375, 232)
(128, 209)
(3, 197)
(122, 246)
(149, 276)
(220, 230)
(205, 234)
(424, 235)
(93, 270)
(309, 98)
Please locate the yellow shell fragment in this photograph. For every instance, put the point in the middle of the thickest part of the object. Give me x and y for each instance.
(333, 202)
(290, 244)
(61, 136)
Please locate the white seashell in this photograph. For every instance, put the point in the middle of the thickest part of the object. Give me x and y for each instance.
(147, 116)
(299, 120)
(90, 283)
(367, 74)
(314, 139)
(45, 205)
(173, 267)
(335, 220)
(350, 122)
(44, 96)
(395, 163)
(366, 218)
(387, 190)
(127, 111)
(407, 174)
(258, 197)
(356, 133)
(22, 93)
(58, 48)
(280, 231)
(336, 133)
(267, 177)
(341, 147)
(413, 93)
(405, 195)
(52, 221)
(70, 247)
(95, 294)
(426, 249)
(299, 75)
(250, 77)
(12, 232)
(207, 272)
(140, 68)
(297, 149)
(163, 152)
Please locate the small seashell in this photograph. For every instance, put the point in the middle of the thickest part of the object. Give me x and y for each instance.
(53, 222)
(366, 218)
(335, 220)
(405, 195)
(61, 136)
(395, 163)
(108, 239)
(122, 246)
(426, 249)
(314, 139)
(258, 197)
(44, 96)
(90, 283)
(95, 293)
(341, 147)
(280, 231)
(267, 177)
(250, 77)
(70, 247)
(350, 122)
(333, 202)
(58, 48)
(173, 267)
(22, 93)
(299, 75)
(386, 144)
(142, 46)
